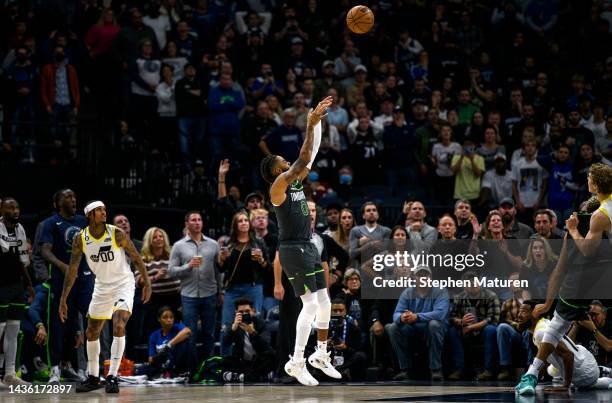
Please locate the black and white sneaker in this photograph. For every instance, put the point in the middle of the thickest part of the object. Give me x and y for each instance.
(112, 384)
(90, 384)
(233, 377)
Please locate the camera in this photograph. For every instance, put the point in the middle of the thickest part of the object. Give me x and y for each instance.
(246, 318)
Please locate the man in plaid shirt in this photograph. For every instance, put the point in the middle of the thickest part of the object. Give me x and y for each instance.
(509, 332)
(474, 315)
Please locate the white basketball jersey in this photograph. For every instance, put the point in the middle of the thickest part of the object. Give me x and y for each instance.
(105, 258)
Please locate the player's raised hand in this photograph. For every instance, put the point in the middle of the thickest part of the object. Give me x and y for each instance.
(318, 113)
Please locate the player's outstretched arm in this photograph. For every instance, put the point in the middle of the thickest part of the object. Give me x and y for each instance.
(298, 169)
(71, 275)
(127, 244)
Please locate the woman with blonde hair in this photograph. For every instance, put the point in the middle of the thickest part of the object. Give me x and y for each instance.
(537, 267)
(166, 290)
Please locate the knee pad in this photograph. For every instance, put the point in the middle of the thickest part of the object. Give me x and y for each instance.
(309, 304)
(323, 309)
(555, 330)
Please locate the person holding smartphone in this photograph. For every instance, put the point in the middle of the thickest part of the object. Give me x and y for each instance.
(468, 168)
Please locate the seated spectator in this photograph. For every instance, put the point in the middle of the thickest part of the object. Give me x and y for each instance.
(537, 268)
(467, 167)
(171, 57)
(345, 342)
(496, 184)
(543, 223)
(466, 107)
(252, 357)
(337, 116)
(348, 61)
(474, 315)
(595, 333)
(300, 110)
(421, 313)
(509, 333)
(169, 346)
(385, 117)
(352, 296)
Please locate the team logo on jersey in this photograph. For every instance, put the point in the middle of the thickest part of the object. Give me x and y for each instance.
(105, 254)
(297, 186)
(70, 233)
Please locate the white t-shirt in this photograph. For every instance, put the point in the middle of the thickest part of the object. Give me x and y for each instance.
(500, 185)
(159, 25)
(444, 155)
(529, 177)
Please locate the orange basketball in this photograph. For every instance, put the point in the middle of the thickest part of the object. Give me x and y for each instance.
(360, 19)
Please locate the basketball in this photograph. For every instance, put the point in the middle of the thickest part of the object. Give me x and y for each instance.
(360, 19)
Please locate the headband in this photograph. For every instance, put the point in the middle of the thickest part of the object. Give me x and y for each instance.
(92, 206)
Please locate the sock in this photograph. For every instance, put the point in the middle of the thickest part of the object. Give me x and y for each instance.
(10, 346)
(93, 355)
(304, 325)
(535, 367)
(116, 353)
(322, 345)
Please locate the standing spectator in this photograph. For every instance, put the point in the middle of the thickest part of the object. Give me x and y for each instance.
(145, 76)
(561, 186)
(399, 144)
(159, 23)
(421, 313)
(284, 140)
(348, 61)
(467, 222)
(541, 17)
(21, 78)
(529, 183)
(512, 226)
(166, 291)
(171, 57)
(191, 111)
(192, 260)
(255, 126)
(416, 226)
(327, 82)
(166, 108)
(355, 88)
(366, 148)
(510, 334)
(225, 104)
(490, 148)
(15, 280)
(55, 241)
(99, 41)
(467, 167)
(61, 96)
(186, 42)
(595, 333)
(538, 267)
(575, 133)
(363, 236)
(243, 261)
(259, 223)
(442, 154)
(474, 314)
(336, 115)
(130, 38)
(465, 108)
(496, 184)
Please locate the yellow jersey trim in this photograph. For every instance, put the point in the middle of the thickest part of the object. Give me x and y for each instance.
(113, 232)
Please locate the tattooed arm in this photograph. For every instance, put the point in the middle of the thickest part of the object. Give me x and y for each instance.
(298, 169)
(71, 275)
(127, 244)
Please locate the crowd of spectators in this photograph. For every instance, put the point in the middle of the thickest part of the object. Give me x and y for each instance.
(496, 109)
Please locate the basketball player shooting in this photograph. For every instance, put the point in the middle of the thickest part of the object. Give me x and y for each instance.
(104, 247)
(298, 256)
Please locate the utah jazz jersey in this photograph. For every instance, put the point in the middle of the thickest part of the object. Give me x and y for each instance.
(606, 208)
(105, 258)
(293, 215)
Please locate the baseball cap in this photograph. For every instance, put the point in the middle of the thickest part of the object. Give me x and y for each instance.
(251, 195)
(296, 40)
(500, 156)
(328, 62)
(397, 109)
(507, 200)
(422, 268)
(198, 163)
(360, 67)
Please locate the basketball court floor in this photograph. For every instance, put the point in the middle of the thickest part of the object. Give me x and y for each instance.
(324, 393)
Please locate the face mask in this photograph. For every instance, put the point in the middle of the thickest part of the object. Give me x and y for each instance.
(346, 179)
(59, 57)
(313, 176)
